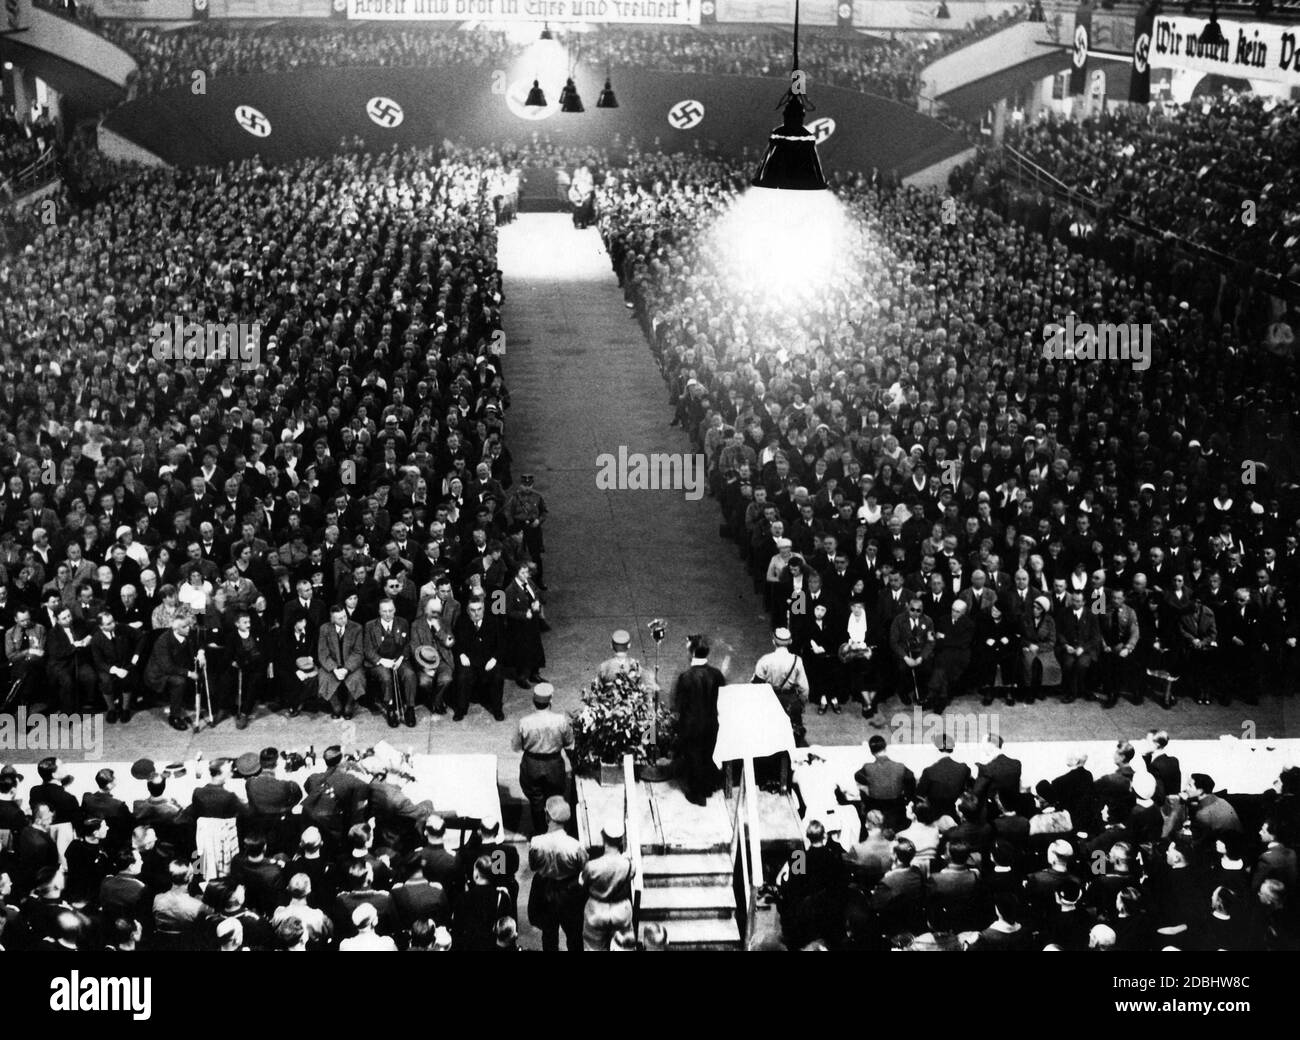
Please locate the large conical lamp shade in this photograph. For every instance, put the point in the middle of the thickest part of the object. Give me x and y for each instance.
(791, 162)
(570, 100)
(536, 99)
(607, 98)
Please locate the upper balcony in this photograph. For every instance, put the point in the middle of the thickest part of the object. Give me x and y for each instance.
(71, 57)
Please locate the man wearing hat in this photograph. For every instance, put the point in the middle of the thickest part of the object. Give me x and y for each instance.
(295, 665)
(557, 899)
(785, 673)
(430, 655)
(607, 880)
(543, 737)
(524, 511)
(621, 642)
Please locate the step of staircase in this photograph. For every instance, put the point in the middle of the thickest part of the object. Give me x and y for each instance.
(703, 934)
(698, 902)
(682, 869)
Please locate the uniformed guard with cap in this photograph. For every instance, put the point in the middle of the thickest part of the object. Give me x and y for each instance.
(544, 735)
(784, 672)
(525, 510)
(557, 899)
(621, 661)
(608, 883)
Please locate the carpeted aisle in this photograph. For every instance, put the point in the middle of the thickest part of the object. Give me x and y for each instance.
(583, 383)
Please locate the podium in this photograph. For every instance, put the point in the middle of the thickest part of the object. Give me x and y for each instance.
(751, 725)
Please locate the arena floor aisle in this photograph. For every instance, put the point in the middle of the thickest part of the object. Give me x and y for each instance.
(583, 383)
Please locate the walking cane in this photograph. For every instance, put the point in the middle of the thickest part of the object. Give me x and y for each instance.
(202, 692)
(239, 691)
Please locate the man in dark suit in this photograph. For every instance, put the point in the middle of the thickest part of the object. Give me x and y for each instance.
(478, 656)
(340, 651)
(305, 604)
(271, 801)
(695, 697)
(1078, 645)
(954, 636)
(945, 780)
(911, 642)
(67, 661)
(1240, 638)
(1074, 791)
(1163, 766)
(114, 656)
(1000, 773)
(885, 784)
(384, 641)
(1115, 790)
(171, 671)
(109, 808)
(899, 899)
(958, 889)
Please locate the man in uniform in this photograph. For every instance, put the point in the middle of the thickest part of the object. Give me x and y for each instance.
(544, 735)
(696, 700)
(785, 673)
(620, 641)
(557, 899)
(524, 510)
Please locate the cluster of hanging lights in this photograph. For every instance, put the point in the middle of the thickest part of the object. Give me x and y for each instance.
(570, 99)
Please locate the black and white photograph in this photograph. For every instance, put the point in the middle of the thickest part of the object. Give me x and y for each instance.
(649, 476)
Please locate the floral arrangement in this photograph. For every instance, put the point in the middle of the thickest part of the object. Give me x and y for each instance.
(615, 718)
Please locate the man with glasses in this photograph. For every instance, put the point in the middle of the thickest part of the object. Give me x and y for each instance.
(911, 638)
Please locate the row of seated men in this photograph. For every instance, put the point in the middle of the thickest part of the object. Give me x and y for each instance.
(448, 657)
(1134, 859)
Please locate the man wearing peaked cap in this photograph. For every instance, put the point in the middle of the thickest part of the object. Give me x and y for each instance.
(622, 661)
(557, 898)
(785, 673)
(608, 883)
(543, 737)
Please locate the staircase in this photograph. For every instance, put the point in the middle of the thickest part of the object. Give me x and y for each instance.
(690, 893)
(684, 855)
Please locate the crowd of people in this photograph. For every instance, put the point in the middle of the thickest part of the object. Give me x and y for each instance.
(1216, 171)
(253, 446)
(22, 142)
(890, 68)
(271, 855)
(1132, 855)
(931, 504)
(169, 58)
